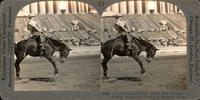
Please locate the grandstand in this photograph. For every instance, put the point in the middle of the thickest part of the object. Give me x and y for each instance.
(146, 18)
(146, 22)
(59, 26)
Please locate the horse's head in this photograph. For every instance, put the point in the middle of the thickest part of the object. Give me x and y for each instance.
(64, 52)
(151, 51)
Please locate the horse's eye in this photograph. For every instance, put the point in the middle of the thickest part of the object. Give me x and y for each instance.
(150, 51)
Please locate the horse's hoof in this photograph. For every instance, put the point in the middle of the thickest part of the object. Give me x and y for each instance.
(142, 72)
(105, 78)
(57, 74)
(18, 78)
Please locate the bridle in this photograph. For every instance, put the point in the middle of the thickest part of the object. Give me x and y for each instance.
(143, 49)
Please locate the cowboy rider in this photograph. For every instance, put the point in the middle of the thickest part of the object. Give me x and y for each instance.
(36, 30)
(123, 29)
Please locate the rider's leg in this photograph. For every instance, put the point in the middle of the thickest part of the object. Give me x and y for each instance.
(129, 39)
(42, 39)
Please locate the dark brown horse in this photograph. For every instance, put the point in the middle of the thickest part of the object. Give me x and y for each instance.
(31, 47)
(118, 47)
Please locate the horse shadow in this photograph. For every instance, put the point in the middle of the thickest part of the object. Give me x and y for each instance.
(42, 79)
(114, 79)
(136, 79)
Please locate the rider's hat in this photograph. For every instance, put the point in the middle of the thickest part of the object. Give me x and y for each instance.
(118, 15)
(29, 17)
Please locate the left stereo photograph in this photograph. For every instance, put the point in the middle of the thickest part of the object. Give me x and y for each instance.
(57, 47)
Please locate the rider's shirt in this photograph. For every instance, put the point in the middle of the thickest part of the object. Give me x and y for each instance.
(121, 25)
(120, 22)
(33, 26)
(35, 29)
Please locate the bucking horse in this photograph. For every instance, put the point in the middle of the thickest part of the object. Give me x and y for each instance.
(31, 47)
(119, 47)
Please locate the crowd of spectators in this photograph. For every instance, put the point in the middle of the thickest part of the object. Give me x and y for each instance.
(165, 26)
(83, 41)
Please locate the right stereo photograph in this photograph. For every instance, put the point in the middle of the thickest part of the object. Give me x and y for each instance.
(143, 47)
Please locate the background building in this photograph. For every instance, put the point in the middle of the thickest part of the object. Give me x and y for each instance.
(159, 22)
(125, 7)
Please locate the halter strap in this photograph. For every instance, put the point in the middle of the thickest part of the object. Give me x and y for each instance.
(52, 44)
(50, 41)
(139, 44)
(113, 47)
(26, 47)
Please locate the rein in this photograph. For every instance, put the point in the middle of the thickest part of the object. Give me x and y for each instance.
(113, 47)
(52, 44)
(26, 48)
(139, 44)
(49, 41)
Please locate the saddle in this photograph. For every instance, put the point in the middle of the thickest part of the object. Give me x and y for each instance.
(125, 40)
(40, 45)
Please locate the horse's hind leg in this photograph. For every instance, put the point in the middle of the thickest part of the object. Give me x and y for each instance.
(140, 62)
(104, 65)
(54, 65)
(17, 67)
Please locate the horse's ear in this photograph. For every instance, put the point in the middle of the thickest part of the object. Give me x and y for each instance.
(157, 49)
(70, 49)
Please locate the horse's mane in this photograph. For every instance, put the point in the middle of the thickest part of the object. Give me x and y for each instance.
(22, 42)
(56, 42)
(143, 42)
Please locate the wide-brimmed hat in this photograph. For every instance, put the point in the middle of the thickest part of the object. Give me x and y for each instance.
(118, 15)
(29, 16)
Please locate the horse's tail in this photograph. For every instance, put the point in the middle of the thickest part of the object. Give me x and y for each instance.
(15, 47)
(101, 43)
(101, 46)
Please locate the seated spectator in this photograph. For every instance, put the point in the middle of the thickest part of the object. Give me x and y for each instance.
(164, 28)
(133, 29)
(91, 31)
(140, 30)
(94, 31)
(152, 30)
(106, 30)
(75, 26)
(182, 31)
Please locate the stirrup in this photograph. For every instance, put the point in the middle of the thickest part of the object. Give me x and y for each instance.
(128, 43)
(130, 48)
(42, 52)
(42, 48)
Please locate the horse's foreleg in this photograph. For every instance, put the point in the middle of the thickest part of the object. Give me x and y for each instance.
(140, 62)
(54, 65)
(17, 67)
(104, 65)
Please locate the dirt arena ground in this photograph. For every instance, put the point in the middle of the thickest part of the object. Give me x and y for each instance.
(164, 73)
(82, 71)
(78, 73)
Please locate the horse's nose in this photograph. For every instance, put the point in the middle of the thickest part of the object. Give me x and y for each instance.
(149, 60)
(62, 60)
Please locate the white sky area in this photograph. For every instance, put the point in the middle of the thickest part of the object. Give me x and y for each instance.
(62, 5)
(151, 5)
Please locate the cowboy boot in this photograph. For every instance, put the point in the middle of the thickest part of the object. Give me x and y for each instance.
(42, 49)
(129, 42)
(129, 45)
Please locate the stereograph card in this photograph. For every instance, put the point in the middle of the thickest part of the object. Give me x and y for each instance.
(99, 50)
